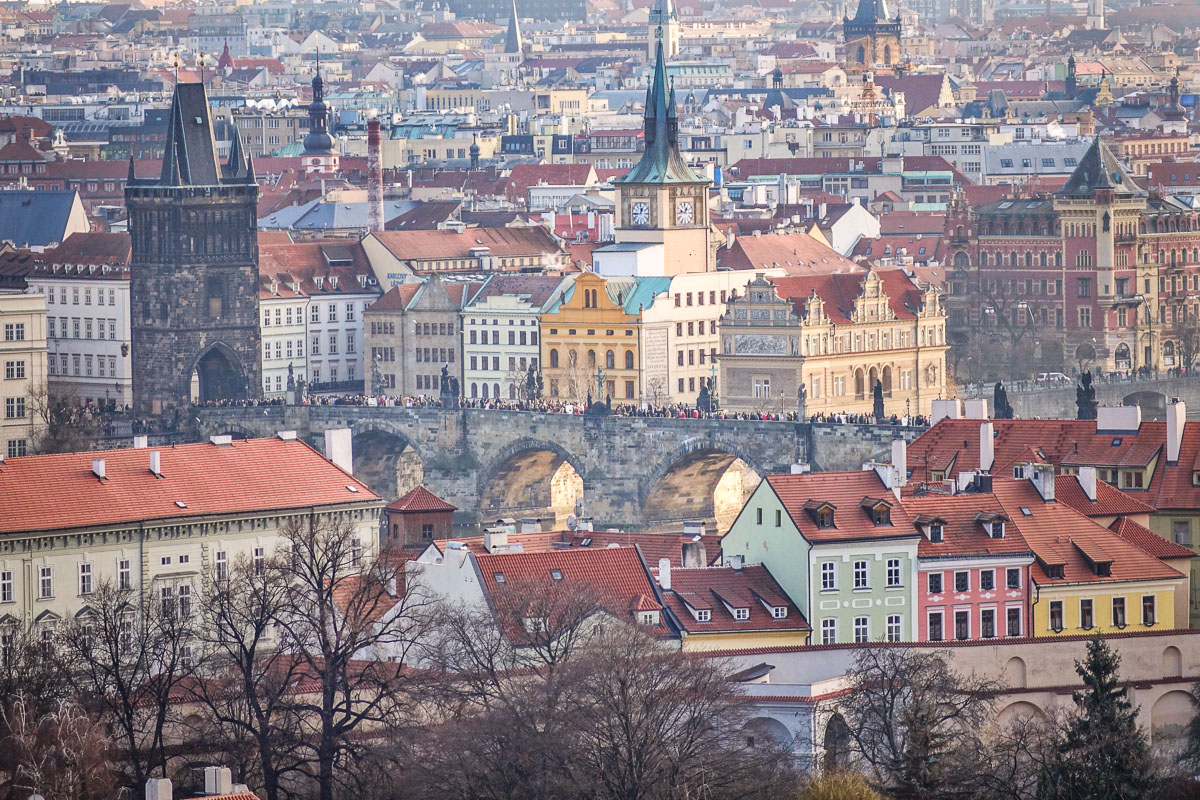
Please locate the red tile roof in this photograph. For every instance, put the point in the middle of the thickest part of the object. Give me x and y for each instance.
(712, 588)
(616, 576)
(845, 491)
(1148, 540)
(420, 500)
(246, 476)
(422, 244)
(962, 533)
(798, 253)
(654, 546)
(396, 298)
(1110, 501)
(525, 175)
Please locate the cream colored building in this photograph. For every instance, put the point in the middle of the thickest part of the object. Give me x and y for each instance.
(186, 513)
(23, 357)
(838, 334)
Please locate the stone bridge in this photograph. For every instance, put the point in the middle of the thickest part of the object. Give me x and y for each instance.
(629, 471)
(1151, 395)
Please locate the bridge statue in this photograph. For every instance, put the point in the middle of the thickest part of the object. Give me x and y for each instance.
(704, 402)
(449, 385)
(802, 402)
(1002, 409)
(878, 392)
(1085, 397)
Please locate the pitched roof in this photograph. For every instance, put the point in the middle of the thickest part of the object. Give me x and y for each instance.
(1099, 169)
(795, 252)
(35, 217)
(421, 245)
(248, 475)
(396, 298)
(962, 532)
(1110, 501)
(420, 500)
(801, 495)
(714, 588)
(838, 291)
(653, 545)
(1148, 540)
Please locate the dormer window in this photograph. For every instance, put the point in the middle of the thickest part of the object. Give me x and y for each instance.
(879, 510)
(741, 613)
(1055, 571)
(821, 513)
(647, 617)
(779, 612)
(935, 532)
(825, 518)
(997, 529)
(703, 615)
(1196, 478)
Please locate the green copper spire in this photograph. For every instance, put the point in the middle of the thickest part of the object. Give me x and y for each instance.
(662, 161)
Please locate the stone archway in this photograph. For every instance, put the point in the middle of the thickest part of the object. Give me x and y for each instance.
(531, 478)
(835, 744)
(701, 481)
(217, 374)
(767, 730)
(1153, 404)
(1169, 717)
(387, 462)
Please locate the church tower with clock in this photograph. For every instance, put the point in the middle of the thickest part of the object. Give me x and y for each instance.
(662, 203)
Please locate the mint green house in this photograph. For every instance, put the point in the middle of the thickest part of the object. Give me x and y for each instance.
(841, 546)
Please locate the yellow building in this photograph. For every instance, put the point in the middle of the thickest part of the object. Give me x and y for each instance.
(23, 358)
(591, 339)
(834, 335)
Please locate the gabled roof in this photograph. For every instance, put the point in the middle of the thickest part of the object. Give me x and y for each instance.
(712, 588)
(844, 490)
(962, 533)
(1146, 539)
(249, 475)
(1110, 501)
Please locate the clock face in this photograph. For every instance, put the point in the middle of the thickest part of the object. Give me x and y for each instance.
(683, 212)
(640, 213)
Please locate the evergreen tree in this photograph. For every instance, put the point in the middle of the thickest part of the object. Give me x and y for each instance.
(1101, 753)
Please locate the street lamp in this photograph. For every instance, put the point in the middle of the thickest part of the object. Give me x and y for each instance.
(1151, 362)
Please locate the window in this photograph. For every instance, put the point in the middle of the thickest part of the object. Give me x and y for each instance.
(987, 623)
(828, 576)
(1118, 612)
(962, 625)
(935, 532)
(427, 532)
(758, 515)
(893, 628)
(17, 447)
(829, 631)
(935, 582)
(166, 597)
(185, 600)
(124, 574)
(14, 332)
(1056, 616)
(987, 579)
(703, 615)
(1086, 616)
(1148, 615)
(6, 586)
(741, 613)
(962, 581)
(779, 612)
(778, 518)
(14, 408)
(936, 634)
(1014, 621)
(893, 572)
(860, 575)
(1012, 579)
(222, 565)
(14, 370)
(862, 630)
(45, 583)
(85, 578)
(1182, 531)
(1085, 286)
(259, 560)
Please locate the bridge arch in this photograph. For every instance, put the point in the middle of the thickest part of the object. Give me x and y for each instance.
(1021, 710)
(767, 730)
(386, 459)
(702, 479)
(531, 477)
(1169, 717)
(1152, 403)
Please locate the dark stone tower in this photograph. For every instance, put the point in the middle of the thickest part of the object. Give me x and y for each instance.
(194, 273)
(872, 36)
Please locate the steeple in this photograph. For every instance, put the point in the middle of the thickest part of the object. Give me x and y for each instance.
(190, 156)
(512, 40)
(1099, 169)
(1072, 78)
(318, 141)
(226, 60)
(664, 26)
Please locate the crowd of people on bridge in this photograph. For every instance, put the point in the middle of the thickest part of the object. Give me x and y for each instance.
(554, 406)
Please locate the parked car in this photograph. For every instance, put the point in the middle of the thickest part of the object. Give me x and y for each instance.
(1052, 378)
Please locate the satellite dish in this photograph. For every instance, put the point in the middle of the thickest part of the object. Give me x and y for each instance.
(572, 522)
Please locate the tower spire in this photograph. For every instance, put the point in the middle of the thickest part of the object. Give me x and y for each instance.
(512, 39)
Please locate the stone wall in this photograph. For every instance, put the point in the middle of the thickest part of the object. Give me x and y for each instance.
(512, 458)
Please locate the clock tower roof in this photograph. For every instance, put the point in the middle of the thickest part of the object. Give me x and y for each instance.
(661, 162)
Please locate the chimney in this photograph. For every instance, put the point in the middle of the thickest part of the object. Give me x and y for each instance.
(900, 462)
(158, 789)
(694, 555)
(156, 463)
(976, 408)
(1087, 482)
(664, 573)
(1118, 419)
(495, 539)
(1176, 414)
(98, 468)
(217, 780)
(1042, 477)
(141, 442)
(375, 221)
(339, 448)
(987, 447)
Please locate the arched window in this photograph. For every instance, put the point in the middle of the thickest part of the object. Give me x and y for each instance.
(610, 360)
(1029, 259)
(591, 358)
(961, 259)
(485, 391)
(474, 390)
(512, 391)
(628, 359)
(859, 390)
(496, 390)
(1169, 353)
(553, 357)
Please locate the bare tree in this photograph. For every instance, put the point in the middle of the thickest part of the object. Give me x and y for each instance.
(130, 655)
(62, 754)
(251, 676)
(63, 425)
(1186, 334)
(352, 631)
(914, 724)
(32, 670)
